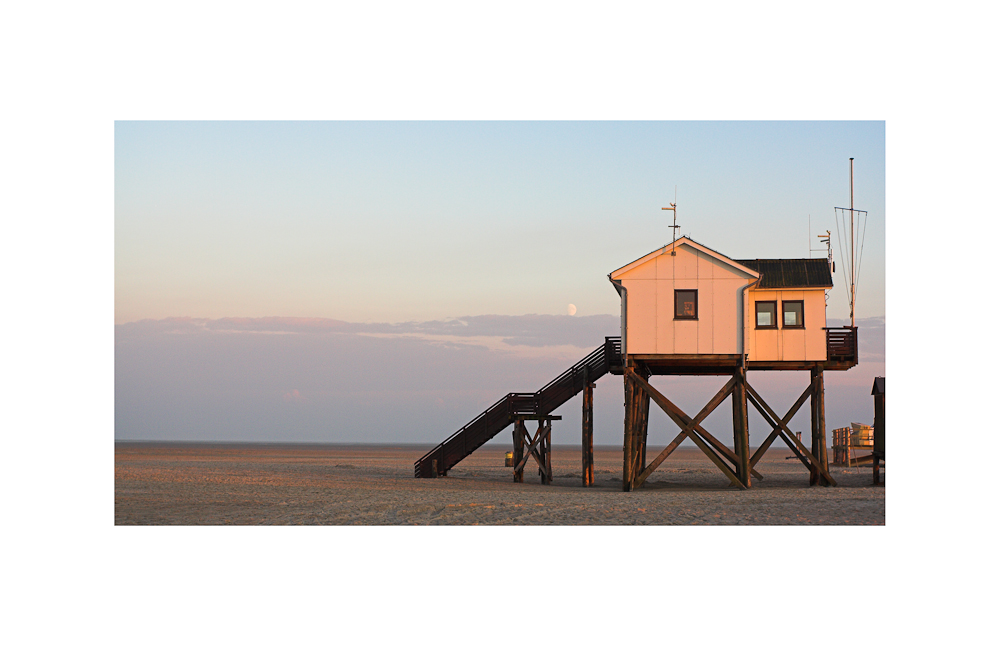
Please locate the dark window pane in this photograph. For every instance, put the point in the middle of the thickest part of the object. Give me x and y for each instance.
(766, 314)
(792, 313)
(686, 304)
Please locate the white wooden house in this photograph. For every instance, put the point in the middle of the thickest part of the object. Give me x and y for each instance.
(685, 303)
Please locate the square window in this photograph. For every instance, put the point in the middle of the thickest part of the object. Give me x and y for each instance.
(791, 315)
(767, 314)
(685, 304)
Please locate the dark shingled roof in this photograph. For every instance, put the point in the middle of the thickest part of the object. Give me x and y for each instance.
(776, 273)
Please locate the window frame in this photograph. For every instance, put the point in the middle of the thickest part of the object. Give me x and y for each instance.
(802, 307)
(686, 317)
(756, 315)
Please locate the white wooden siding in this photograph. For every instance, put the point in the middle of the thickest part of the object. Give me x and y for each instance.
(783, 344)
(651, 327)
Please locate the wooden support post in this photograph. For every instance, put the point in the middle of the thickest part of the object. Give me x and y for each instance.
(588, 431)
(818, 428)
(548, 452)
(741, 428)
(546, 447)
(813, 419)
(518, 450)
(631, 401)
(821, 418)
(540, 454)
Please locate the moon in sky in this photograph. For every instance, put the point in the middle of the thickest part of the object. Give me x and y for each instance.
(571, 309)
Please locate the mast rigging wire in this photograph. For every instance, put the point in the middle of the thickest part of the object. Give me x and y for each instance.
(840, 246)
(861, 250)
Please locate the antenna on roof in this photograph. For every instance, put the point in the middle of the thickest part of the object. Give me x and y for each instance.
(673, 207)
(823, 238)
(854, 268)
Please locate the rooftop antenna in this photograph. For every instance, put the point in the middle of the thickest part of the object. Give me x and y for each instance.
(823, 238)
(673, 207)
(854, 249)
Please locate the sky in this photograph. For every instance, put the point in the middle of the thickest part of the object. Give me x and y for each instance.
(401, 221)
(301, 281)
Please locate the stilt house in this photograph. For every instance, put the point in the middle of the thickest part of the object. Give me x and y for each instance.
(689, 310)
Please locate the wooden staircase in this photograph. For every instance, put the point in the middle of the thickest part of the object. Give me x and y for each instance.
(501, 414)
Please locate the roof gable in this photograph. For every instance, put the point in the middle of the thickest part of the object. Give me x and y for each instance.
(685, 241)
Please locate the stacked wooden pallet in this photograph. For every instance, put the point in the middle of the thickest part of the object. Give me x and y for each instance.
(847, 441)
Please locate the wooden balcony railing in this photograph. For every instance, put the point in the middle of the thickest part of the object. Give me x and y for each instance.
(842, 344)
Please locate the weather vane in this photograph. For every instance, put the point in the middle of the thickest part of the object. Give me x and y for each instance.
(673, 207)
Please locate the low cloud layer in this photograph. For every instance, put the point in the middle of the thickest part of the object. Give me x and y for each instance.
(290, 379)
(321, 380)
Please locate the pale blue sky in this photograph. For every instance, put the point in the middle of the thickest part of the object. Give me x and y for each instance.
(398, 221)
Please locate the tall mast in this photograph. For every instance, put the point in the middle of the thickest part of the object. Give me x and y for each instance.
(852, 250)
(852, 242)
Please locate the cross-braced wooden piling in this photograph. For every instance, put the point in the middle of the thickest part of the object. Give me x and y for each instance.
(638, 394)
(779, 429)
(539, 447)
(737, 464)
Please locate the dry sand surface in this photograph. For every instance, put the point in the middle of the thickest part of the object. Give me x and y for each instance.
(374, 485)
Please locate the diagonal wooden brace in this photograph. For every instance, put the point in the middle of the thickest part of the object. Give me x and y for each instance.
(779, 432)
(782, 430)
(726, 453)
(539, 434)
(793, 443)
(682, 436)
(684, 422)
(776, 430)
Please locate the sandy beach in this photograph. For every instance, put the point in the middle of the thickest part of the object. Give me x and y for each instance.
(223, 484)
